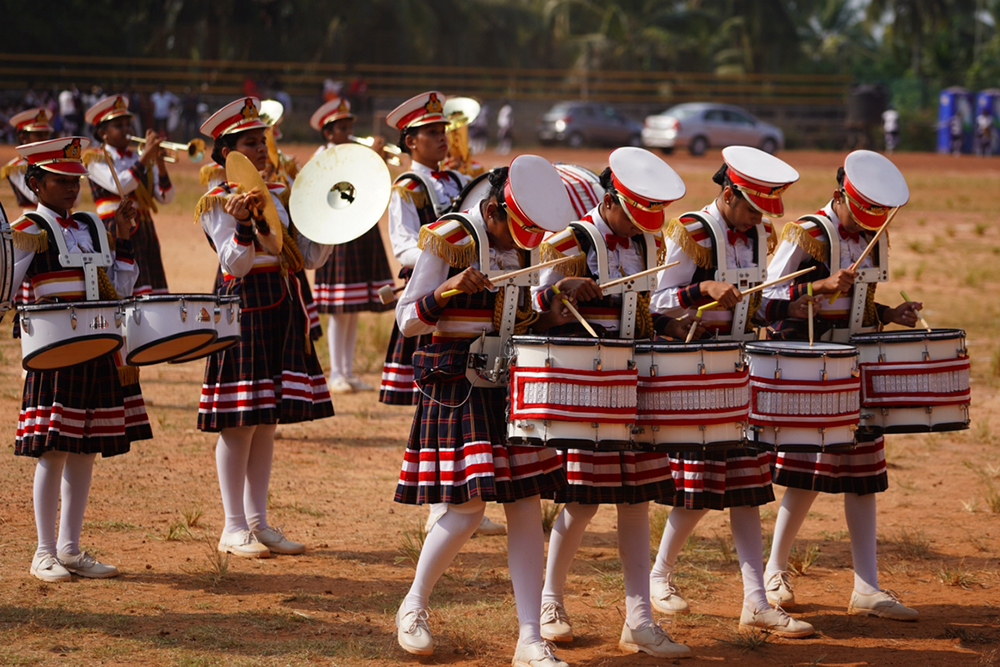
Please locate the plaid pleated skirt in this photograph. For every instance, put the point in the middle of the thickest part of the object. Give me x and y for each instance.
(739, 477)
(272, 375)
(594, 478)
(458, 453)
(315, 328)
(350, 280)
(861, 470)
(146, 246)
(81, 410)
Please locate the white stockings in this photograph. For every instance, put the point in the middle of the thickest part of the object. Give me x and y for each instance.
(243, 458)
(67, 475)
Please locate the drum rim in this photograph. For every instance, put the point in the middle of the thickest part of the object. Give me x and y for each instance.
(177, 336)
(193, 355)
(63, 305)
(838, 352)
(670, 346)
(907, 335)
(53, 346)
(174, 297)
(572, 341)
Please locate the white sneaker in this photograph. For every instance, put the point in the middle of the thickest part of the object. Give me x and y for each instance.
(779, 590)
(884, 604)
(276, 542)
(357, 384)
(776, 621)
(412, 632)
(665, 597)
(555, 623)
(86, 565)
(653, 640)
(536, 655)
(47, 567)
(339, 385)
(487, 527)
(243, 543)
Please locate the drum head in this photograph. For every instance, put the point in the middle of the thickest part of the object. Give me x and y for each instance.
(907, 335)
(800, 348)
(155, 298)
(474, 192)
(568, 341)
(669, 346)
(171, 347)
(71, 353)
(217, 346)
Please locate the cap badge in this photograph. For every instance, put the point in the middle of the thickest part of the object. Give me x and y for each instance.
(73, 151)
(120, 103)
(249, 111)
(434, 104)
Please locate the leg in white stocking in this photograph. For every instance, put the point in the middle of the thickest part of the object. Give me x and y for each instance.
(231, 455)
(564, 542)
(77, 473)
(526, 562)
(860, 512)
(664, 596)
(335, 341)
(745, 524)
(349, 341)
(794, 507)
(258, 476)
(45, 494)
(633, 549)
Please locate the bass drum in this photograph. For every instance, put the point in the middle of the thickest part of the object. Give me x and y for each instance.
(6, 264)
(474, 192)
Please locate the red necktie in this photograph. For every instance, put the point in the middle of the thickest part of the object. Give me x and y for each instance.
(66, 223)
(440, 175)
(733, 235)
(844, 234)
(614, 241)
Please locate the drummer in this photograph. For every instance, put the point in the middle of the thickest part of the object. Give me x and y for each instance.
(348, 283)
(419, 197)
(638, 186)
(732, 227)
(272, 376)
(457, 452)
(70, 415)
(868, 186)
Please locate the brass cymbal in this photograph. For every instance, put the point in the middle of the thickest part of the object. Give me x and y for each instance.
(240, 171)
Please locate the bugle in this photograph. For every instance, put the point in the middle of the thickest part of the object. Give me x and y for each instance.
(195, 149)
(393, 151)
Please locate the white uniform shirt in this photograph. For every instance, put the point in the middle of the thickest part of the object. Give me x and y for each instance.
(99, 172)
(404, 221)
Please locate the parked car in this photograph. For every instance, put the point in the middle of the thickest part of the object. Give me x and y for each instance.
(577, 124)
(698, 126)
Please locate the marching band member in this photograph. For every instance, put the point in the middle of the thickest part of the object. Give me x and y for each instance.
(272, 376)
(143, 177)
(70, 415)
(731, 229)
(419, 197)
(349, 281)
(457, 451)
(868, 185)
(638, 187)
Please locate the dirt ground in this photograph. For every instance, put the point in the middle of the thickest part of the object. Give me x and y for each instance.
(156, 512)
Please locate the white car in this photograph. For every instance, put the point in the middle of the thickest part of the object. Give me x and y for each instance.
(700, 125)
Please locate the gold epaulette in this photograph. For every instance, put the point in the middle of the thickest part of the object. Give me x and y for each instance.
(870, 318)
(699, 254)
(564, 244)
(449, 240)
(92, 155)
(209, 202)
(661, 248)
(289, 165)
(9, 170)
(772, 238)
(29, 242)
(418, 198)
(794, 233)
(211, 172)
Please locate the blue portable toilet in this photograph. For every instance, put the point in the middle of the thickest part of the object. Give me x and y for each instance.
(989, 99)
(955, 101)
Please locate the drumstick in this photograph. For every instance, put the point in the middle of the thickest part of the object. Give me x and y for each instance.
(655, 269)
(514, 274)
(758, 288)
(920, 318)
(114, 175)
(576, 314)
(871, 246)
(809, 291)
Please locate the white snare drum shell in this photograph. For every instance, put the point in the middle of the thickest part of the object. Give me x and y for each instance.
(162, 327)
(227, 327)
(62, 335)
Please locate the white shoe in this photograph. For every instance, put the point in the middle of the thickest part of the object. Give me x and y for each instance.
(665, 597)
(555, 623)
(339, 385)
(884, 604)
(243, 543)
(412, 632)
(779, 590)
(276, 542)
(653, 640)
(86, 565)
(487, 527)
(357, 384)
(536, 655)
(776, 621)
(47, 567)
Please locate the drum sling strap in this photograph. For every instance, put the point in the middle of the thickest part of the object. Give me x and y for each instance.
(440, 208)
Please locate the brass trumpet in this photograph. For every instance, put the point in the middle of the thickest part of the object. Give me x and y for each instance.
(388, 148)
(195, 148)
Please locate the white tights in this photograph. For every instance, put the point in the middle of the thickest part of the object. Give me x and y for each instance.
(860, 513)
(243, 459)
(68, 475)
(745, 525)
(633, 550)
(342, 336)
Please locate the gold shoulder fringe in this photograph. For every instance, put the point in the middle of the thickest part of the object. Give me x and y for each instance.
(772, 240)
(29, 242)
(92, 155)
(661, 248)
(794, 233)
(211, 172)
(9, 170)
(460, 257)
(525, 316)
(208, 203)
(284, 197)
(573, 268)
(416, 197)
(678, 233)
(291, 256)
(128, 375)
(289, 165)
(870, 318)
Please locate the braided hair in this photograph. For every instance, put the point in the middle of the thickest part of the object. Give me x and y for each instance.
(722, 178)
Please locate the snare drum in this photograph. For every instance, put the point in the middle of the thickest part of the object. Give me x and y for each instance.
(572, 393)
(804, 398)
(161, 327)
(227, 328)
(692, 396)
(61, 335)
(914, 381)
